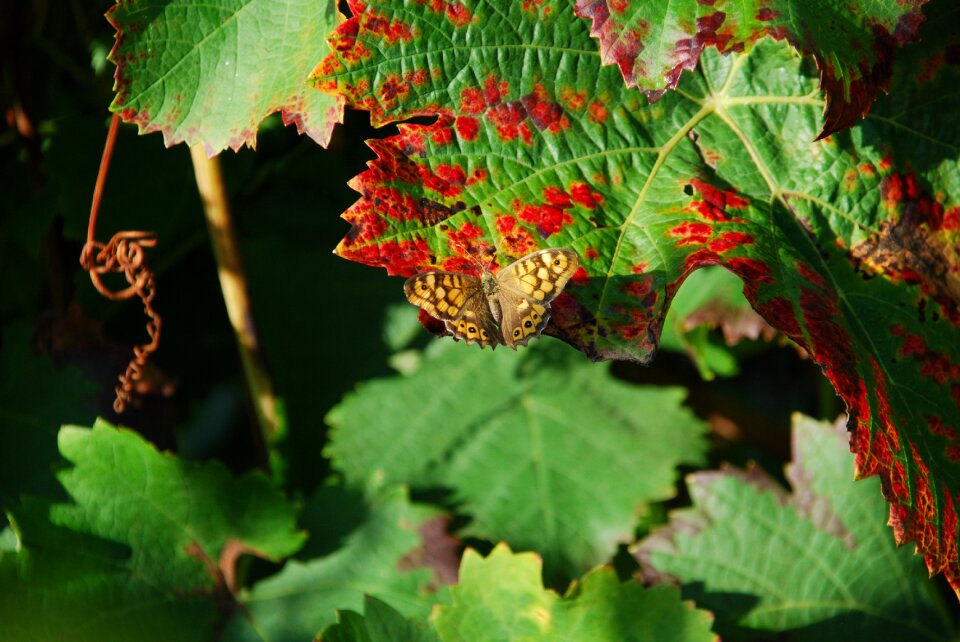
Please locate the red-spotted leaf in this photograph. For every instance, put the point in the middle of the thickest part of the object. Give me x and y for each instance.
(847, 245)
(853, 43)
(207, 73)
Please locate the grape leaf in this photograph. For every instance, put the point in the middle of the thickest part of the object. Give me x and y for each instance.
(502, 598)
(35, 397)
(542, 448)
(653, 43)
(379, 559)
(712, 298)
(847, 245)
(817, 564)
(379, 623)
(146, 551)
(208, 73)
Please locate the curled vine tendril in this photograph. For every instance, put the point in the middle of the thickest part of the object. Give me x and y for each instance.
(123, 254)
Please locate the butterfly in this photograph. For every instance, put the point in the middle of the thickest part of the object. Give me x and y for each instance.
(509, 307)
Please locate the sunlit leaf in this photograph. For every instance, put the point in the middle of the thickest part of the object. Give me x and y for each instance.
(541, 448)
(813, 565)
(502, 598)
(854, 43)
(848, 245)
(146, 549)
(208, 73)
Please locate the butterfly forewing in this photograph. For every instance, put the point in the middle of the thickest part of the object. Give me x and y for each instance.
(526, 288)
(458, 300)
(441, 294)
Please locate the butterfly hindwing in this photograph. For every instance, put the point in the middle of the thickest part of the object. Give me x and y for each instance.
(521, 319)
(476, 323)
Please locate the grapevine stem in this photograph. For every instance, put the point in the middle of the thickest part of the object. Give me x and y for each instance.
(234, 286)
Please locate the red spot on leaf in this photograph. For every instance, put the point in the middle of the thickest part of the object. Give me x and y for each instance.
(580, 277)
(392, 89)
(934, 364)
(467, 127)
(403, 258)
(690, 233)
(478, 175)
(715, 202)
(458, 14)
(460, 264)
(468, 241)
(452, 173)
(729, 240)
(811, 275)
(598, 112)
(556, 196)
(515, 240)
(545, 114)
(780, 314)
(506, 119)
(642, 289)
(639, 268)
(590, 254)
(766, 14)
(573, 99)
(377, 25)
(505, 223)
(548, 219)
(750, 270)
(951, 220)
(583, 195)
(472, 100)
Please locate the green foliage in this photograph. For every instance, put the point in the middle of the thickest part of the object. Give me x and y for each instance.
(379, 623)
(365, 521)
(500, 598)
(35, 398)
(205, 73)
(146, 542)
(304, 596)
(818, 563)
(712, 299)
(542, 429)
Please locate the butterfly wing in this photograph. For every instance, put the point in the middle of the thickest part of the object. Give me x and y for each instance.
(458, 301)
(526, 288)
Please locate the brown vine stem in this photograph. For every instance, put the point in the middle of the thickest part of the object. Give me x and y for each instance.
(234, 286)
(123, 254)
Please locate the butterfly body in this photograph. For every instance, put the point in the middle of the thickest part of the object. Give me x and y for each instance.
(509, 307)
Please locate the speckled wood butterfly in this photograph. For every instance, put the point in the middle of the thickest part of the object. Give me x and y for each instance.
(509, 307)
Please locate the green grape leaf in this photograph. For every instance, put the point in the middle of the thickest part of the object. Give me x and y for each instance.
(382, 558)
(35, 398)
(145, 551)
(710, 299)
(208, 73)
(379, 623)
(502, 598)
(815, 564)
(848, 246)
(653, 43)
(554, 433)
